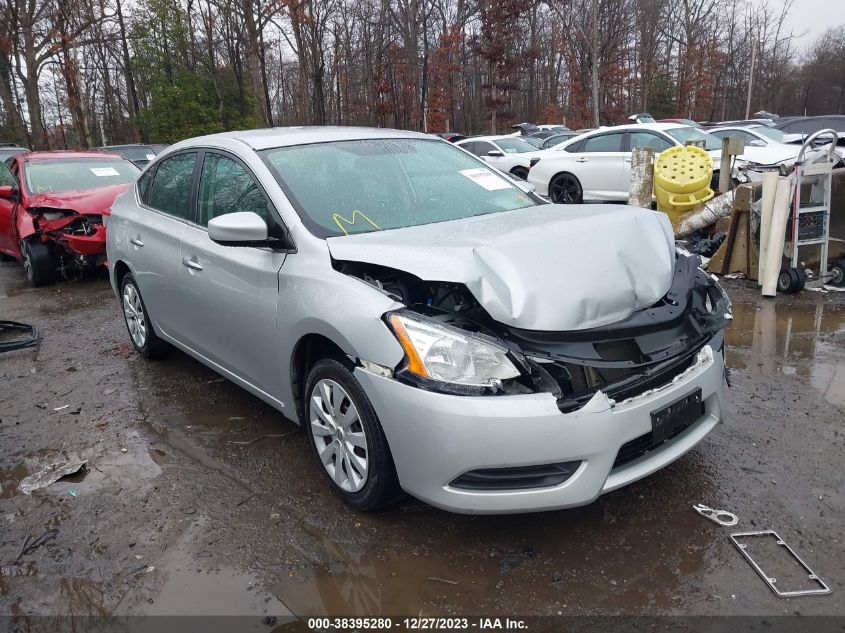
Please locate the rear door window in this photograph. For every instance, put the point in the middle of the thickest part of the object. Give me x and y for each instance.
(603, 143)
(172, 184)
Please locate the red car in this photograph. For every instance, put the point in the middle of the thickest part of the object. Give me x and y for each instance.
(54, 207)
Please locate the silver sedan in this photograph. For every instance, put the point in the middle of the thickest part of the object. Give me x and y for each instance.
(435, 326)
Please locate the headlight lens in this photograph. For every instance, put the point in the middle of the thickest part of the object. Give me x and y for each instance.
(444, 353)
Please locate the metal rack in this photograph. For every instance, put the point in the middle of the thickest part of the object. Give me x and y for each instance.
(810, 220)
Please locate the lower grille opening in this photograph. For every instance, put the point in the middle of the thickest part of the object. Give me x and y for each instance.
(518, 478)
(646, 443)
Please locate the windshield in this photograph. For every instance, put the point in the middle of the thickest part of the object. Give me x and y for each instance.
(57, 176)
(346, 187)
(768, 132)
(685, 134)
(514, 145)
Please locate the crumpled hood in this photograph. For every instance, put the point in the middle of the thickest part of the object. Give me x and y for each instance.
(550, 267)
(83, 201)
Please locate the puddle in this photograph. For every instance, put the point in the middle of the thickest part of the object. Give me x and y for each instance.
(800, 339)
(9, 480)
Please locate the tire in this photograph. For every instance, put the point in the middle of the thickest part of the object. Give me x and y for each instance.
(791, 280)
(837, 270)
(565, 189)
(337, 410)
(141, 332)
(519, 172)
(39, 265)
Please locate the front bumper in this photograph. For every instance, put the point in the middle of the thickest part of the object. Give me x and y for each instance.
(435, 438)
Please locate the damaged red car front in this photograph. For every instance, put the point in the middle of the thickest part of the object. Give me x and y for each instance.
(54, 209)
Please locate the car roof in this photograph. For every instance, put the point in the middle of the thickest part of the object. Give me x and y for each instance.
(124, 146)
(288, 136)
(68, 154)
(660, 127)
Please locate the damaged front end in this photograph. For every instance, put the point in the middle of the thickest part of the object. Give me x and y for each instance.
(453, 346)
(79, 239)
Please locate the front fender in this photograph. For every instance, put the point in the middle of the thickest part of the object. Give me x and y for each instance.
(24, 224)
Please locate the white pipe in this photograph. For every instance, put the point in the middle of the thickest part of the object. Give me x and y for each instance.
(770, 186)
(777, 232)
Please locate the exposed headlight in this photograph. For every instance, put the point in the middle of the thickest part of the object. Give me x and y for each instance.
(441, 352)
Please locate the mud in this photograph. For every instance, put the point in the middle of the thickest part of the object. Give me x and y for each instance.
(181, 512)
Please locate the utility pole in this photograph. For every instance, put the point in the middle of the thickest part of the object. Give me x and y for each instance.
(751, 79)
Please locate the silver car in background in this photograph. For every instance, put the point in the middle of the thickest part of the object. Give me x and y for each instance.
(434, 326)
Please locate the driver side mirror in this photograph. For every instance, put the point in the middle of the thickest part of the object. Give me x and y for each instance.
(495, 153)
(243, 228)
(9, 192)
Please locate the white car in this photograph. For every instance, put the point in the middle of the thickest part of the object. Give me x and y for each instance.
(509, 154)
(596, 166)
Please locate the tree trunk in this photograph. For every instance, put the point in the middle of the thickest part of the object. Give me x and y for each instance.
(33, 101)
(14, 121)
(253, 58)
(594, 62)
(132, 102)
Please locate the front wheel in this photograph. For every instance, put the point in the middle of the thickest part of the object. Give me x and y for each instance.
(565, 189)
(347, 438)
(39, 266)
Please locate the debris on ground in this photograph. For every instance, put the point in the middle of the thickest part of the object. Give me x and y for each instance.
(262, 437)
(30, 544)
(51, 474)
(443, 580)
(704, 215)
(28, 336)
(719, 517)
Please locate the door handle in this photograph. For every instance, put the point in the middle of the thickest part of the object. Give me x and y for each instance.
(136, 241)
(192, 263)
(627, 160)
(581, 160)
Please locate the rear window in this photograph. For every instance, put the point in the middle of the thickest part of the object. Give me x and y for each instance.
(57, 176)
(515, 145)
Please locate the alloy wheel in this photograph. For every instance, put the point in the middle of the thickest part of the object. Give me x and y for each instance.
(339, 435)
(26, 260)
(565, 191)
(133, 311)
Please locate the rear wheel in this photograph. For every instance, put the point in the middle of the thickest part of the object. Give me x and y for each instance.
(347, 438)
(144, 339)
(837, 272)
(565, 189)
(39, 266)
(520, 172)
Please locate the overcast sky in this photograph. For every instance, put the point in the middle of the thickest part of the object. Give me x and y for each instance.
(810, 18)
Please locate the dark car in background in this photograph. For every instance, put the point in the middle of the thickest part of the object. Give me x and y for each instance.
(138, 153)
(10, 149)
(452, 137)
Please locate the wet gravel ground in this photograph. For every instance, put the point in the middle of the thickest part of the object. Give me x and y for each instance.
(200, 499)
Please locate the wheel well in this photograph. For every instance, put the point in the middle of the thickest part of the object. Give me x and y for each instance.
(120, 269)
(564, 173)
(309, 349)
(517, 168)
